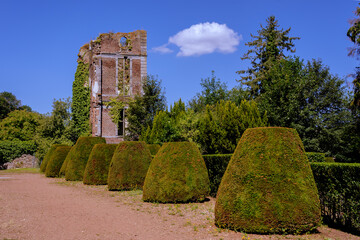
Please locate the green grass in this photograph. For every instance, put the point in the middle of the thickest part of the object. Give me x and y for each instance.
(21, 170)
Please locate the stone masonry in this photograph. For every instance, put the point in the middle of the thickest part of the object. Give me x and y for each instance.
(117, 65)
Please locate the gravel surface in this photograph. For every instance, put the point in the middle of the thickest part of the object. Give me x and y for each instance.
(35, 207)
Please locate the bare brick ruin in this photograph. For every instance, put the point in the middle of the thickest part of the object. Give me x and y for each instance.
(117, 65)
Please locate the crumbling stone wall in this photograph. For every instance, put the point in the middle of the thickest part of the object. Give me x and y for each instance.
(25, 161)
(117, 65)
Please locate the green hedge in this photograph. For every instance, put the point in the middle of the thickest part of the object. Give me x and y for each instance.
(339, 190)
(315, 157)
(10, 150)
(216, 165)
(78, 156)
(129, 166)
(268, 185)
(329, 159)
(154, 148)
(97, 167)
(176, 174)
(48, 156)
(56, 160)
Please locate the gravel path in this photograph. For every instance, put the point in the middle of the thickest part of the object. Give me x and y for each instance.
(35, 207)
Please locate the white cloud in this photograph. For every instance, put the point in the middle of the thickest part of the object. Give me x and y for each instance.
(162, 49)
(205, 38)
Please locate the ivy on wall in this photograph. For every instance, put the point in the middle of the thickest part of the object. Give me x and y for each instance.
(80, 108)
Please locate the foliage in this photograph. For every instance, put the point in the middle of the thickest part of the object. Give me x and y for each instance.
(339, 191)
(176, 174)
(142, 110)
(154, 148)
(216, 165)
(56, 160)
(10, 150)
(78, 157)
(309, 98)
(129, 166)
(20, 125)
(315, 156)
(8, 103)
(266, 48)
(223, 124)
(268, 186)
(80, 107)
(116, 107)
(97, 167)
(48, 156)
(213, 90)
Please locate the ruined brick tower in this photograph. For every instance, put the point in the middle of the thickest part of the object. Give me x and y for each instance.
(117, 65)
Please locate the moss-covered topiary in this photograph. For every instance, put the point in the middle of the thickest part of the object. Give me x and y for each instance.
(154, 148)
(268, 186)
(177, 174)
(48, 156)
(129, 166)
(64, 165)
(78, 157)
(97, 167)
(56, 161)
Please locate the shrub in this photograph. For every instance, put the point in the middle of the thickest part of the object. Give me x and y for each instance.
(315, 157)
(129, 166)
(56, 160)
(216, 165)
(329, 159)
(177, 174)
(154, 148)
(78, 157)
(97, 167)
(339, 192)
(48, 156)
(268, 186)
(10, 150)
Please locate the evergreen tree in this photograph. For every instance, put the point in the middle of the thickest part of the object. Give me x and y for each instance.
(141, 111)
(266, 48)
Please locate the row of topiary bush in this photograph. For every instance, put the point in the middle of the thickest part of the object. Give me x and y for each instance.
(268, 186)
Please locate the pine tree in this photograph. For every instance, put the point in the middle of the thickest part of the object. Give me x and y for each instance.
(266, 48)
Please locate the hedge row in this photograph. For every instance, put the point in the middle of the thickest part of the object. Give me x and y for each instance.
(339, 191)
(10, 150)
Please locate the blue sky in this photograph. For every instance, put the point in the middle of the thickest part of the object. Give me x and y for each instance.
(40, 40)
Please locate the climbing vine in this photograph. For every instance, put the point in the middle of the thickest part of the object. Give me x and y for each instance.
(80, 108)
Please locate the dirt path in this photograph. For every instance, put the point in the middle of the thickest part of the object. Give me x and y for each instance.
(35, 207)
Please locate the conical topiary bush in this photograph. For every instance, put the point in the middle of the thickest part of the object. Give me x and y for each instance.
(129, 166)
(177, 174)
(97, 167)
(48, 156)
(268, 186)
(56, 161)
(78, 157)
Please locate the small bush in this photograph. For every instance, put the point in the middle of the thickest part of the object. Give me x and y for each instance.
(216, 165)
(339, 192)
(48, 156)
(268, 186)
(56, 160)
(154, 148)
(129, 166)
(10, 150)
(315, 157)
(177, 174)
(78, 157)
(97, 167)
